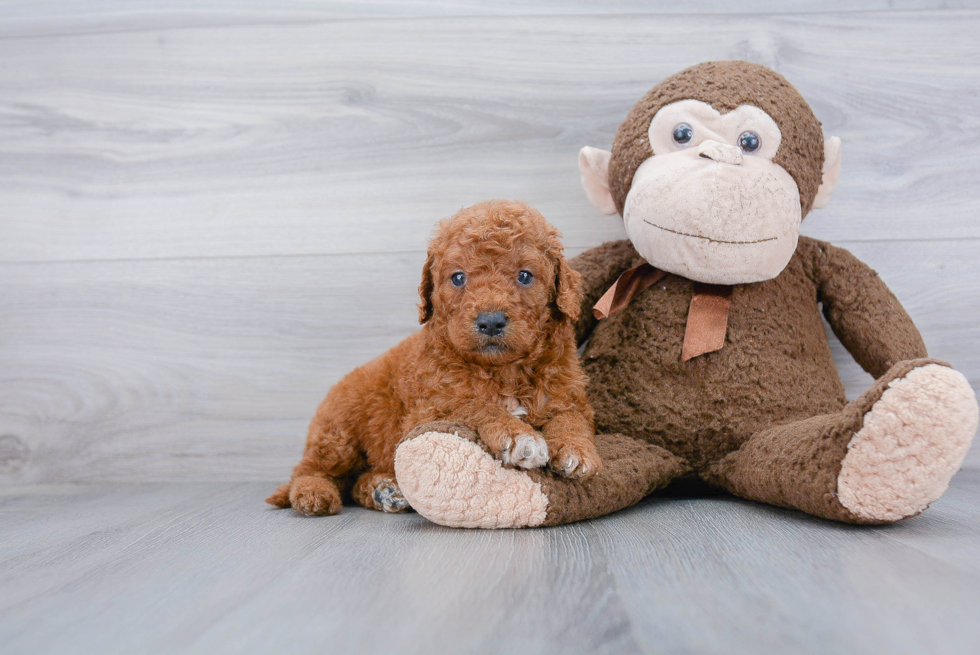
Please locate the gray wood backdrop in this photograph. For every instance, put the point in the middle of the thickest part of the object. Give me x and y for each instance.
(210, 211)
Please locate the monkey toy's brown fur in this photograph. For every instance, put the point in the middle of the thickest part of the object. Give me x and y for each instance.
(764, 416)
(450, 371)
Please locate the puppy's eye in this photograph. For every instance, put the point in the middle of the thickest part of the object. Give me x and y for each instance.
(683, 133)
(749, 142)
(525, 278)
(458, 279)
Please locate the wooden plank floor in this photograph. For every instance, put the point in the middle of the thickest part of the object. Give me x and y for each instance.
(210, 210)
(207, 568)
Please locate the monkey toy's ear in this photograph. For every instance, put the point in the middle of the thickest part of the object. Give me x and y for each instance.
(425, 290)
(593, 165)
(831, 172)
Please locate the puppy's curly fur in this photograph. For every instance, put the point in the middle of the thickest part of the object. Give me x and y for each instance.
(514, 378)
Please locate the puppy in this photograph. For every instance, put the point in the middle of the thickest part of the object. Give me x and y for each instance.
(496, 352)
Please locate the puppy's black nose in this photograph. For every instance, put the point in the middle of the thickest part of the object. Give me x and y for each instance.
(491, 323)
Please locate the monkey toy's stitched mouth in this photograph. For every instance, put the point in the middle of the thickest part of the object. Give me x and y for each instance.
(698, 236)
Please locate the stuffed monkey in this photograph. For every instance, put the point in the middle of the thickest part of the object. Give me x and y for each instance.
(705, 350)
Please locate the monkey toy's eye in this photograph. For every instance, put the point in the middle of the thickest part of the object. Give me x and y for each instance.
(525, 278)
(683, 134)
(458, 279)
(749, 142)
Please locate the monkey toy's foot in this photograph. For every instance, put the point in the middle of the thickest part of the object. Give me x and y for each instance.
(911, 443)
(451, 479)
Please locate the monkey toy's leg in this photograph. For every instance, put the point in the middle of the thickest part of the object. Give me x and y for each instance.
(884, 457)
(450, 479)
(323, 475)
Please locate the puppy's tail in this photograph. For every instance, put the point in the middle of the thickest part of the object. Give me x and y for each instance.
(280, 497)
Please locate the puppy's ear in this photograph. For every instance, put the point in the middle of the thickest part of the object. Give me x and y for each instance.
(568, 292)
(425, 289)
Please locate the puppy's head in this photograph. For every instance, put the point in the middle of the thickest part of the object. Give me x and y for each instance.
(496, 284)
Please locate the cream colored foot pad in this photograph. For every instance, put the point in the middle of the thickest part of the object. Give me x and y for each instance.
(452, 481)
(912, 442)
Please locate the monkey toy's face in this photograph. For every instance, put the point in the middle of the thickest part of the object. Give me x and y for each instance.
(706, 199)
(710, 204)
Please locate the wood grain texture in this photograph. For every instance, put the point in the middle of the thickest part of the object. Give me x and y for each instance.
(211, 368)
(210, 211)
(48, 17)
(205, 568)
(355, 136)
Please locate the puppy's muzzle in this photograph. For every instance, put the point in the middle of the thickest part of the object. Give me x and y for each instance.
(491, 324)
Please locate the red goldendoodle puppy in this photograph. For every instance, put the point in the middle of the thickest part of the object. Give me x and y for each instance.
(496, 352)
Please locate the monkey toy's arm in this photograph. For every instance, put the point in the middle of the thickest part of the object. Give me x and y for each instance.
(862, 311)
(599, 268)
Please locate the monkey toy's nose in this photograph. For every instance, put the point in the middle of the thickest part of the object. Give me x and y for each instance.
(720, 152)
(491, 323)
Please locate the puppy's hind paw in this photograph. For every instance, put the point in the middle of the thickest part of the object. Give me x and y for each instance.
(528, 451)
(389, 498)
(314, 496)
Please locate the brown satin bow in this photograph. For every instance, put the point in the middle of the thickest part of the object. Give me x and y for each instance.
(707, 318)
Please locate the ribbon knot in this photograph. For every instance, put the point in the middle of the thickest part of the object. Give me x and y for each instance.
(707, 317)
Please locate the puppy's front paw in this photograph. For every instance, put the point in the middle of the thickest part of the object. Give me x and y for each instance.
(528, 451)
(576, 462)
